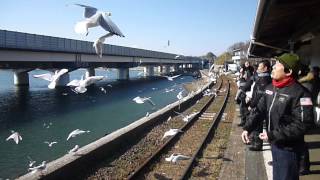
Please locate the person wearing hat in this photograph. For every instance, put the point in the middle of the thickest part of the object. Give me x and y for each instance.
(287, 107)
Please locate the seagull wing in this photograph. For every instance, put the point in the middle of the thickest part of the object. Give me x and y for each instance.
(47, 76)
(106, 23)
(88, 10)
(175, 76)
(74, 82)
(180, 114)
(61, 72)
(92, 79)
(73, 133)
(151, 102)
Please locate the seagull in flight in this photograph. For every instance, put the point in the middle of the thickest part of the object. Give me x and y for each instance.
(187, 118)
(168, 90)
(15, 136)
(76, 132)
(179, 96)
(41, 167)
(75, 149)
(103, 90)
(52, 78)
(176, 157)
(170, 78)
(31, 162)
(84, 82)
(50, 143)
(171, 132)
(141, 100)
(94, 18)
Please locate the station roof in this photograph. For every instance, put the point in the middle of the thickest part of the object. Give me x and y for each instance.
(279, 22)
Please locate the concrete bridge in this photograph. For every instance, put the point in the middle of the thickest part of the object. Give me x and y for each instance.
(23, 52)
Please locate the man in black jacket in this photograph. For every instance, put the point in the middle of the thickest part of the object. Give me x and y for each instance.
(288, 110)
(262, 80)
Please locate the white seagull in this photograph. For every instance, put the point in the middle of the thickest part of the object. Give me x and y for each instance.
(187, 118)
(168, 90)
(31, 162)
(84, 82)
(179, 96)
(75, 149)
(170, 78)
(53, 79)
(41, 167)
(171, 132)
(50, 143)
(103, 90)
(15, 136)
(176, 157)
(141, 100)
(76, 132)
(94, 18)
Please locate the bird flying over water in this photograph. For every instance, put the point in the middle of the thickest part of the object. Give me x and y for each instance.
(52, 78)
(84, 82)
(76, 132)
(31, 161)
(170, 78)
(50, 143)
(141, 100)
(15, 136)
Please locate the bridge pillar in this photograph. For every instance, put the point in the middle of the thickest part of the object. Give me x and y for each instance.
(149, 71)
(63, 80)
(176, 67)
(21, 78)
(166, 69)
(160, 69)
(90, 72)
(123, 73)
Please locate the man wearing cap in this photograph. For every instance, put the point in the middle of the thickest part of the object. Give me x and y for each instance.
(287, 107)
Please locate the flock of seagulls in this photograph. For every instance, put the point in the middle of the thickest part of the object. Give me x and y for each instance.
(16, 137)
(94, 18)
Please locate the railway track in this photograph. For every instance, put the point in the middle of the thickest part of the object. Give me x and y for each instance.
(188, 143)
(135, 162)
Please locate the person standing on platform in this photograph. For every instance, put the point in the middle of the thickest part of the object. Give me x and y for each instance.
(288, 108)
(263, 79)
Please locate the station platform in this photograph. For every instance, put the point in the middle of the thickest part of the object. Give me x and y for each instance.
(241, 163)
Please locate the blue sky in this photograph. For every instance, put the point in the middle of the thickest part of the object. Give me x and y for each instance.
(194, 27)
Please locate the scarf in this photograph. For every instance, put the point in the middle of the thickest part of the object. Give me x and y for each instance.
(284, 82)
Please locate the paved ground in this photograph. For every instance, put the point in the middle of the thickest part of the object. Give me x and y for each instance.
(240, 163)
